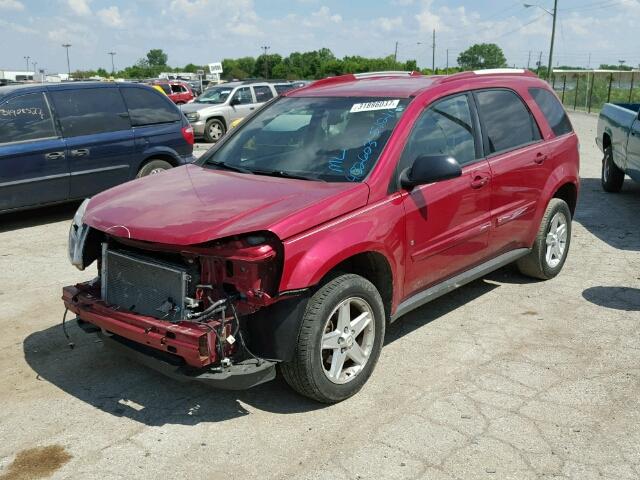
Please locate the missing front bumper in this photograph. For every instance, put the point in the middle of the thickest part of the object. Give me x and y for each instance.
(240, 376)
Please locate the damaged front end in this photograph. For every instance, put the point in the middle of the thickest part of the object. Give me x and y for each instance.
(182, 310)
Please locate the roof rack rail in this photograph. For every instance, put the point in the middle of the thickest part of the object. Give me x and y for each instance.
(390, 73)
(487, 71)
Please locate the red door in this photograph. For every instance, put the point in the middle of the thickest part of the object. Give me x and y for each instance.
(519, 166)
(448, 226)
(448, 222)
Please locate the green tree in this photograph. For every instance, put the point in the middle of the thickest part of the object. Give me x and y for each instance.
(102, 72)
(156, 57)
(482, 55)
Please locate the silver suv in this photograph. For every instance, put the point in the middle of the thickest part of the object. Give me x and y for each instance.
(213, 112)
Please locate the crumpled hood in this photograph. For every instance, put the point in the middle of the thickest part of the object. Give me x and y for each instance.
(189, 205)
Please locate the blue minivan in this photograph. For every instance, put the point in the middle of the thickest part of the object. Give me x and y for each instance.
(61, 142)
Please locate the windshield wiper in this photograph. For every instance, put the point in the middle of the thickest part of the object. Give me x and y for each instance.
(283, 174)
(228, 166)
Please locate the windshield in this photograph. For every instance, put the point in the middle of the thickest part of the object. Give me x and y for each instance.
(214, 95)
(332, 139)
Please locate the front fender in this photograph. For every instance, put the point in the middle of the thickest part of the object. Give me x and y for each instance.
(378, 227)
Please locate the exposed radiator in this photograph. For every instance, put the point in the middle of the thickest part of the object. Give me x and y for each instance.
(144, 285)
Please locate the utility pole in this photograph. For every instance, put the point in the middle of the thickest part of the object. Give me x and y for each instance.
(66, 46)
(27, 57)
(589, 62)
(433, 53)
(113, 68)
(395, 55)
(529, 60)
(447, 71)
(35, 64)
(266, 61)
(554, 14)
(539, 64)
(553, 37)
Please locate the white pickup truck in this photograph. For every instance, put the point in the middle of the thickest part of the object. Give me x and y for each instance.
(619, 139)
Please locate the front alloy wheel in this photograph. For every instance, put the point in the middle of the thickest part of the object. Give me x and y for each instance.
(348, 340)
(340, 339)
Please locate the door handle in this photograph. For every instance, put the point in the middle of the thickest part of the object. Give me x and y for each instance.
(54, 155)
(540, 158)
(80, 152)
(252, 108)
(479, 181)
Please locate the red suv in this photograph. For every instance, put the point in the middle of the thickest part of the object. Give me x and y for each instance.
(335, 209)
(179, 92)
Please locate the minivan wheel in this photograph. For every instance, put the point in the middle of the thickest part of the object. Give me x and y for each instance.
(153, 167)
(551, 246)
(340, 340)
(213, 130)
(612, 177)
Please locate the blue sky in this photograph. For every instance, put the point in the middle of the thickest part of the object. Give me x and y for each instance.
(203, 31)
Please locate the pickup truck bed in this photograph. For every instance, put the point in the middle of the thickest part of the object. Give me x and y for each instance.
(619, 139)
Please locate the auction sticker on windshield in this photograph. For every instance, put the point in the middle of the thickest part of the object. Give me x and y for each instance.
(378, 105)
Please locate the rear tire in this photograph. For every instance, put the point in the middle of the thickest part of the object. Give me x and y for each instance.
(612, 177)
(340, 340)
(214, 130)
(153, 167)
(551, 246)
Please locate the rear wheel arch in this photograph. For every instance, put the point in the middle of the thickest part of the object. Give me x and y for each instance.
(569, 193)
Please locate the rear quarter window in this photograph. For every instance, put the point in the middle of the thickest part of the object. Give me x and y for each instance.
(552, 110)
(149, 107)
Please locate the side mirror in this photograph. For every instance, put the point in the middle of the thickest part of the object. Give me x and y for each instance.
(429, 169)
(234, 101)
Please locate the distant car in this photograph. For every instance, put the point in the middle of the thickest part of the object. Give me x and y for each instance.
(619, 139)
(178, 91)
(212, 113)
(67, 141)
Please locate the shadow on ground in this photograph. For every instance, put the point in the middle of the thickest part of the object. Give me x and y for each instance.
(37, 216)
(619, 298)
(612, 217)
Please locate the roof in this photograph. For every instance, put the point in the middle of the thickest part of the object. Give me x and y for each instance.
(39, 87)
(392, 84)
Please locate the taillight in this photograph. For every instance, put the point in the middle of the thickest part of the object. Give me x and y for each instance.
(187, 133)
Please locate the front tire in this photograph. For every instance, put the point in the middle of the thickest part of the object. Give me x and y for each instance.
(551, 246)
(214, 130)
(612, 177)
(340, 340)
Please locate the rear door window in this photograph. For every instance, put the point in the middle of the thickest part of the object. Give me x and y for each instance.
(506, 119)
(26, 117)
(263, 93)
(552, 110)
(149, 107)
(88, 111)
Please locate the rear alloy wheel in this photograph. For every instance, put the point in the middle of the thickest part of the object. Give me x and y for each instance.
(612, 177)
(551, 246)
(214, 130)
(340, 340)
(153, 167)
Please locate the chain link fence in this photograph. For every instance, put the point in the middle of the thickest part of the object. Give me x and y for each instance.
(589, 90)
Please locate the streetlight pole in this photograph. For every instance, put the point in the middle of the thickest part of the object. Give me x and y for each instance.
(66, 46)
(113, 68)
(554, 14)
(27, 57)
(34, 70)
(266, 61)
